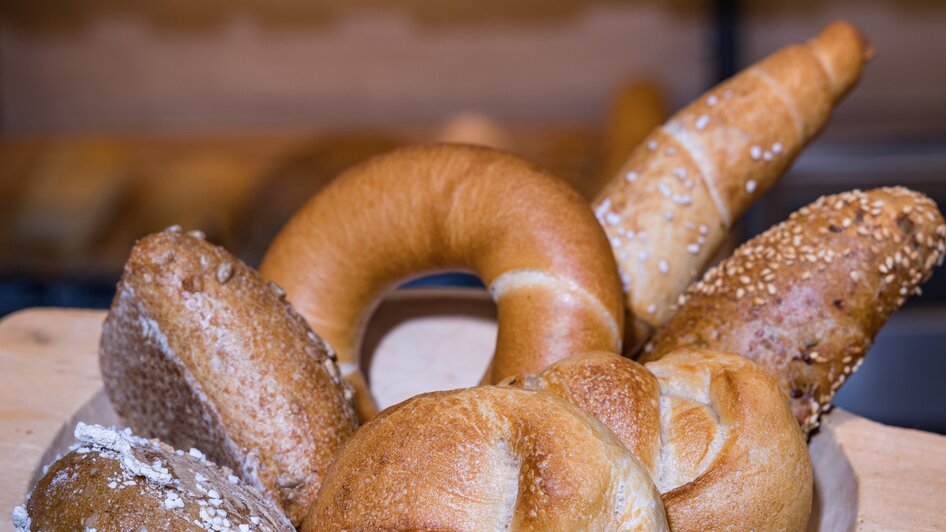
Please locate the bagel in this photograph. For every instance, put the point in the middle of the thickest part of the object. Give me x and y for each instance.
(486, 458)
(533, 240)
(713, 430)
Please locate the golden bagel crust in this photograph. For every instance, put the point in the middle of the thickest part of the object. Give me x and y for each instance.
(713, 430)
(533, 241)
(671, 205)
(805, 299)
(199, 351)
(486, 458)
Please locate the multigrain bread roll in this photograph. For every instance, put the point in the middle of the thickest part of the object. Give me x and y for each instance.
(114, 482)
(533, 241)
(713, 430)
(486, 458)
(805, 299)
(673, 202)
(199, 351)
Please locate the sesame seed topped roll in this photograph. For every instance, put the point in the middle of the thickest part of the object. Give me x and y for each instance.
(805, 299)
(670, 206)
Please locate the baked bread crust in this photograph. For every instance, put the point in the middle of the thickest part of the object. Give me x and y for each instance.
(199, 351)
(486, 458)
(713, 430)
(805, 299)
(670, 207)
(115, 481)
(532, 239)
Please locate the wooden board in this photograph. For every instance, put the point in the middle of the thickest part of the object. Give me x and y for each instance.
(868, 476)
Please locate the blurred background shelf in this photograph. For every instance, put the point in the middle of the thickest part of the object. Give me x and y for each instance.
(119, 119)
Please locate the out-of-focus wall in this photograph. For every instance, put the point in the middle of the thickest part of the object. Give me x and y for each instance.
(125, 70)
(903, 89)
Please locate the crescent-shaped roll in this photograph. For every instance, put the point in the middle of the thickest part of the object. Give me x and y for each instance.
(533, 241)
(714, 431)
(673, 202)
(199, 351)
(805, 299)
(486, 458)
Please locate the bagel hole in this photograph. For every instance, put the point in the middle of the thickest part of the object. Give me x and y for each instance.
(428, 339)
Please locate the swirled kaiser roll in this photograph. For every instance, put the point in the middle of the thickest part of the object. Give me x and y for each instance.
(673, 202)
(533, 241)
(114, 481)
(199, 351)
(805, 299)
(486, 458)
(713, 430)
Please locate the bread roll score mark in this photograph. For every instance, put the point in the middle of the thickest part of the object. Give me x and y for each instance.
(712, 429)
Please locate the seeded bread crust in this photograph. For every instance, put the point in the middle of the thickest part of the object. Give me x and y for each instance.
(805, 299)
(671, 205)
(115, 482)
(200, 351)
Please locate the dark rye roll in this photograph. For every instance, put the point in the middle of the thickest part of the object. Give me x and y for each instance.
(199, 351)
(805, 299)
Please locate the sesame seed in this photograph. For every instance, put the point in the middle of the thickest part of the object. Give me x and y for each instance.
(702, 121)
(197, 233)
(712, 100)
(703, 229)
(670, 150)
(224, 272)
(664, 189)
(651, 309)
(727, 94)
(755, 152)
(663, 266)
(744, 279)
(767, 155)
(652, 145)
(612, 218)
(680, 172)
(777, 148)
(631, 176)
(750, 186)
(668, 215)
(855, 276)
(683, 199)
(693, 248)
(643, 255)
(278, 290)
(173, 229)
